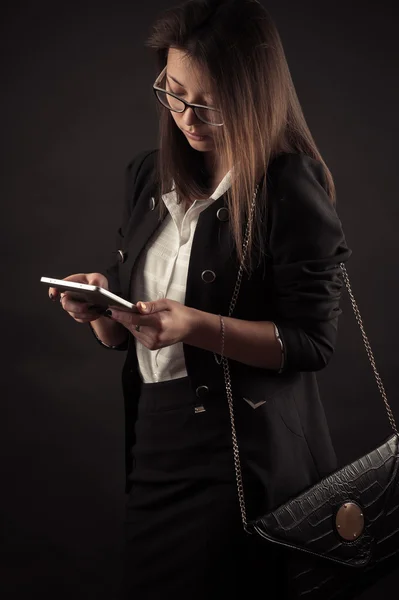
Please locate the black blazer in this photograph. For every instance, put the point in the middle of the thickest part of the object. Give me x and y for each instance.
(297, 284)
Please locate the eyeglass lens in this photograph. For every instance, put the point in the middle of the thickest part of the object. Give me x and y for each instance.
(213, 117)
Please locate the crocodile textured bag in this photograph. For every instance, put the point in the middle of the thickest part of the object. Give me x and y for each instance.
(342, 534)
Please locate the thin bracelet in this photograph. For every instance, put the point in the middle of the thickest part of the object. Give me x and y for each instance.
(121, 346)
(222, 331)
(280, 341)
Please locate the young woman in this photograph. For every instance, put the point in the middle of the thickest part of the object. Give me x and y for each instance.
(237, 180)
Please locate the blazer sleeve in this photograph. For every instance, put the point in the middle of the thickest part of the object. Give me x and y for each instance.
(111, 271)
(307, 244)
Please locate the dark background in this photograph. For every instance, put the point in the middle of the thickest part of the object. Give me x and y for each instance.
(76, 105)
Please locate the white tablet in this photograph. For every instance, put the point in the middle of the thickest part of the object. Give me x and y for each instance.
(89, 293)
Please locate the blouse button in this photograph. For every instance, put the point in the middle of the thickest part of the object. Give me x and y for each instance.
(121, 256)
(223, 214)
(208, 276)
(152, 203)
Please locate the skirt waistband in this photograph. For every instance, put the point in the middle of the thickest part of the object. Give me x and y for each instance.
(174, 393)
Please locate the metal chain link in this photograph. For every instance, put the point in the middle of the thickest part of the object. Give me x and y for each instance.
(226, 369)
(245, 244)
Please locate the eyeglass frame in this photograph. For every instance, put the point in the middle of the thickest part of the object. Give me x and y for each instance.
(186, 104)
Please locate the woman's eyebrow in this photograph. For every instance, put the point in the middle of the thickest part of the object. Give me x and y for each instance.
(178, 82)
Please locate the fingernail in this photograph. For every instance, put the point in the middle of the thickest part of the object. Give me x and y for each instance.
(143, 306)
(51, 296)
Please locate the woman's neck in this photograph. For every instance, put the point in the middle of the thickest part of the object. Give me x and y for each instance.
(216, 171)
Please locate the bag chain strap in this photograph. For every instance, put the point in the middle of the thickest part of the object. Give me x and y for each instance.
(226, 369)
(369, 351)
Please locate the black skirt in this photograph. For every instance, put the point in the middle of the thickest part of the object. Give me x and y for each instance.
(183, 531)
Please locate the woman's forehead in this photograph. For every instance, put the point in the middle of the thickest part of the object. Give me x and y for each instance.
(183, 69)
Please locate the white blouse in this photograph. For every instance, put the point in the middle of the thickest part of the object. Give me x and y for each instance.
(161, 272)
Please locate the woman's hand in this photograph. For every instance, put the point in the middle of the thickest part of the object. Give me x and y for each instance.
(80, 311)
(161, 323)
(166, 322)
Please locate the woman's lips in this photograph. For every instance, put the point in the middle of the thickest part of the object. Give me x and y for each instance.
(198, 138)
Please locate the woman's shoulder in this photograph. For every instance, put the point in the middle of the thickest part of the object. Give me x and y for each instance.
(292, 169)
(299, 192)
(139, 171)
(304, 221)
(142, 161)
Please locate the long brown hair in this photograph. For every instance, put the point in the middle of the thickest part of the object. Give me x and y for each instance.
(238, 46)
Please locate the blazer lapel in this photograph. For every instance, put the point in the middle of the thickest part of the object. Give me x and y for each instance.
(210, 230)
(144, 222)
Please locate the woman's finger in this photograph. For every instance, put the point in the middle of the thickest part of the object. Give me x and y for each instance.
(154, 306)
(130, 319)
(91, 314)
(83, 318)
(74, 306)
(53, 294)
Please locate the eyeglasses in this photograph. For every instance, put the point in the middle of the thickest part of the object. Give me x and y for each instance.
(206, 114)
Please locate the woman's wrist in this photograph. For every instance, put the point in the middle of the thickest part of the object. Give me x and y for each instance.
(200, 326)
(109, 333)
(251, 342)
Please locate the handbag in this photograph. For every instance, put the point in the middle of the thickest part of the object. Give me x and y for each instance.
(341, 535)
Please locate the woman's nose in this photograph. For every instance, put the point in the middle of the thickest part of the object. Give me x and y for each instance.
(189, 117)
